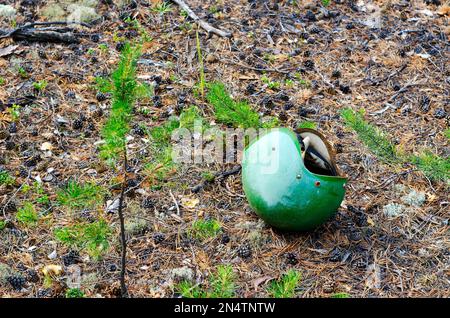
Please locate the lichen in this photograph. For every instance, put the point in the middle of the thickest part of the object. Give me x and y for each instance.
(53, 12)
(72, 10)
(182, 274)
(79, 13)
(414, 198)
(7, 11)
(5, 271)
(136, 226)
(393, 209)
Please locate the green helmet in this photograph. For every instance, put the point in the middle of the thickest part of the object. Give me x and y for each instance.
(291, 179)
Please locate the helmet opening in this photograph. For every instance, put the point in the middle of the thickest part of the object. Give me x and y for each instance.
(317, 154)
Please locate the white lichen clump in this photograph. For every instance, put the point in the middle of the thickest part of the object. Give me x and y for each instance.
(72, 10)
(7, 11)
(80, 13)
(182, 273)
(393, 209)
(414, 198)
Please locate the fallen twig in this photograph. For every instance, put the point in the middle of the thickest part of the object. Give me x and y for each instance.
(388, 77)
(273, 70)
(203, 24)
(393, 97)
(50, 34)
(175, 201)
(218, 175)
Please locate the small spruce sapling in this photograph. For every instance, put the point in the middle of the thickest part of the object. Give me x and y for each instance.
(125, 90)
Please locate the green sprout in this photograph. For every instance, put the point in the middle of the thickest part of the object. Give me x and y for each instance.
(92, 237)
(22, 73)
(307, 124)
(371, 136)
(202, 68)
(103, 48)
(220, 285)
(162, 8)
(40, 86)
(27, 214)
(340, 295)
(6, 178)
(204, 229)
(227, 111)
(271, 84)
(74, 293)
(433, 166)
(124, 89)
(14, 112)
(286, 286)
(80, 196)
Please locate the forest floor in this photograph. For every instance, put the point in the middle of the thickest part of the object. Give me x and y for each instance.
(296, 62)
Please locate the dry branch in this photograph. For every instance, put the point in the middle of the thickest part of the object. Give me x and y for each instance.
(218, 175)
(48, 34)
(203, 24)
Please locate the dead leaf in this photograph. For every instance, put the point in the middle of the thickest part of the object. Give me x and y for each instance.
(189, 203)
(373, 276)
(46, 146)
(260, 280)
(444, 10)
(202, 260)
(370, 221)
(8, 50)
(52, 270)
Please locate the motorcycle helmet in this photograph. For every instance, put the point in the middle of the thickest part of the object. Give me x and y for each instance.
(291, 179)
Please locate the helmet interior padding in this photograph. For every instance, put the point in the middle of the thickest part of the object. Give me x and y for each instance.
(317, 153)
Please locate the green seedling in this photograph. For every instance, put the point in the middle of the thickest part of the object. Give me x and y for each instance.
(307, 124)
(220, 285)
(40, 86)
(103, 48)
(204, 229)
(74, 293)
(340, 295)
(227, 111)
(6, 178)
(433, 166)
(27, 214)
(80, 196)
(286, 286)
(371, 136)
(271, 84)
(202, 68)
(162, 8)
(22, 73)
(92, 237)
(14, 112)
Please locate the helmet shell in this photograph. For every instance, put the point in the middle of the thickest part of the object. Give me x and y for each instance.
(281, 190)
